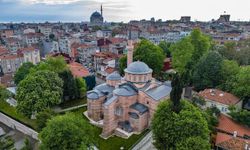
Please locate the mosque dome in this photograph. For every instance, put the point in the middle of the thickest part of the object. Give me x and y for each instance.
(138, 67)
(114, 76)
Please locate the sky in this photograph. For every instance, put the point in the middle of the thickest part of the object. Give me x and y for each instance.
(120, 10)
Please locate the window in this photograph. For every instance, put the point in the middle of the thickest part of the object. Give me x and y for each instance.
(118, 111)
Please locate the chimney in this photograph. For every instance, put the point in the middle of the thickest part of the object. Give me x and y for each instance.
(235, 134)
(130, 52)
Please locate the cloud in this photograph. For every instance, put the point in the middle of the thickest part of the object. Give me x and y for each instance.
(50, 2)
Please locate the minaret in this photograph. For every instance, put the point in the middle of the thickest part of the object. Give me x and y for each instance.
(130, 50)
(101, 10)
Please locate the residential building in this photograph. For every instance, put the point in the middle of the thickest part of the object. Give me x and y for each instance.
(31, 54)
(231, 135)
(220, 99)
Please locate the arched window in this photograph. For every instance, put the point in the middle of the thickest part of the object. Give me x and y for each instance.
(118, 111)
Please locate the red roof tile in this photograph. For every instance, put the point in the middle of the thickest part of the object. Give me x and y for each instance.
(78, 70)
(226, 124)
(229, 142)
(219, 96)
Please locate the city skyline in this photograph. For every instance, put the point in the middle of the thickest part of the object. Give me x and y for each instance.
(119, 10)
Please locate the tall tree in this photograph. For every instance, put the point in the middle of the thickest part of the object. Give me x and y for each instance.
(38, 91)
(122, 64)
(4, 94)
(207, 74)
(175, 95)
(68, 131)
(241, 86)
(43, 117)
(81, 87)
(182, 53)
(22, 72)
(69, 85)
(150, 54)
(229, 70)
(170, 129)
(193, 143)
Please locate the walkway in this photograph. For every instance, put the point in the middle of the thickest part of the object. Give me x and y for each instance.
(146, 143)
(59, 110)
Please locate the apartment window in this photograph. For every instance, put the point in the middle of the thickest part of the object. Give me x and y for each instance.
(118, 111)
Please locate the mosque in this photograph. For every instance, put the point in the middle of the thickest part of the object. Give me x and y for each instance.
(96, 19)
(125, 105)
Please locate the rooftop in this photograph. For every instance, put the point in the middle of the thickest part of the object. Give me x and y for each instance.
(138, 67)
(219, 96)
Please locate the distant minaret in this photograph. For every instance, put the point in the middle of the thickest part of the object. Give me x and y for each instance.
(101, 10)
(130, 48)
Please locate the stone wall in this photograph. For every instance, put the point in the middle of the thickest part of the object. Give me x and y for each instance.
(18, 126)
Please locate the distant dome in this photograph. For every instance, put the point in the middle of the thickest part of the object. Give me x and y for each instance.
(114, 76)
(138, 67)
(96, 15)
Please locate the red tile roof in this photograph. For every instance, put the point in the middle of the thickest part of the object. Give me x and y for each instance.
(226, 124)
(229, 142)
(219, 96)
(78, 70)
(109, 70)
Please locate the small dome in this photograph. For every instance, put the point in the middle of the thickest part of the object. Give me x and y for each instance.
(138, 67)
(115, 76)
(93, 95)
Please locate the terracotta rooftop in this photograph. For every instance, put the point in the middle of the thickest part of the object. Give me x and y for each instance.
(109, 70)
(229, 142)
(228, 125)
(219, 96)
(10, 56)
(78, 70)
(28, 49)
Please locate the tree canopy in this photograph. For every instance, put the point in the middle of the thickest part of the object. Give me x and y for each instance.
(68, 131)
(182, 53)
(22, 72)
(241, 116)
(207, 73)
(69, 85)
(38, 91)
(122, 64)
(170, 129)
(165, 47)
(150, 54)
(241, 86)
(81, 87)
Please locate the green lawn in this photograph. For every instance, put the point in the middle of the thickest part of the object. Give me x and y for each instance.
(11, 111)
(72, 103)
(112, 143)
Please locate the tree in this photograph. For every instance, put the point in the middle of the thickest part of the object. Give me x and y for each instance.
(165, 47)
(201, 44)
(150, 54)
(90, 82)
(52, 37)
(170, 129)
(38, 91)
(43, 117)
(208, 71)
(4, 94)
(241, 116)
(81, 87)
(55, 64)
(122, 64)
(175, 95)
(68, 131)
(241, 86)
(193, 143)
(229, 70)
(22, 72)
(69, 85)
(182, 53)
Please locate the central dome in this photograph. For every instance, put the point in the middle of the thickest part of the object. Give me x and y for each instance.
(96, 15)
(138, 67)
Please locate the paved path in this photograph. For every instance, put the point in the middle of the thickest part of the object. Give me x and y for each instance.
(59, 110)
(146, 143)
